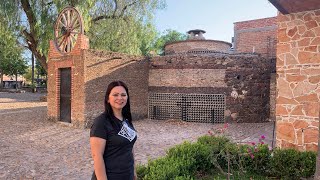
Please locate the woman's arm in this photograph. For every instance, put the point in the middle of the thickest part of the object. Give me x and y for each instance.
(97, 149)
(135, 166)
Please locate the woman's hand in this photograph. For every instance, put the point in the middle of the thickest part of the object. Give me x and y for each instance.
(135, 177)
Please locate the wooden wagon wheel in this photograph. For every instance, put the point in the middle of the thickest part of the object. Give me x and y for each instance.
(67, 28)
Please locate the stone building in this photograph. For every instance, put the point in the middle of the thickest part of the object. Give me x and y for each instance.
(298, 73)
(205, 81)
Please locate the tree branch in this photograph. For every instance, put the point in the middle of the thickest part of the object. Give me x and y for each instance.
(126, 6)
(30, 15)
(32, 46)
(115, 8)
(114, 16)
(102, 17)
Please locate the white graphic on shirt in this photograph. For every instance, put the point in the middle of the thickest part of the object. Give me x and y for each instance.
(127, 132)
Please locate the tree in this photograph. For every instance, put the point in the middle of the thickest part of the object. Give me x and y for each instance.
(34, 20)
(113, 35)
(167, 36)
(11, 62)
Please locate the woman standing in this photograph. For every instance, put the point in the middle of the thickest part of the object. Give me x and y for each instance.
(112, 137)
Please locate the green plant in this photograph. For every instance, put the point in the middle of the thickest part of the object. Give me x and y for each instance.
(256, 159)
(308, 163)
(292, 164)
(216, 157)
(166, 168)
(225, 155)
(141, 171)
(181, 162)
(184, 177)
(198, 153)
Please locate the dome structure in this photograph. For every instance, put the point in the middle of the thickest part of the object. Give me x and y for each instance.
(197, 44)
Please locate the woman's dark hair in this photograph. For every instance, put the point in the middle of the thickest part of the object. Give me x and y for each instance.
(126, 112)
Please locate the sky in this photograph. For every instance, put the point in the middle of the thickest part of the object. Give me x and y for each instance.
(216, 17)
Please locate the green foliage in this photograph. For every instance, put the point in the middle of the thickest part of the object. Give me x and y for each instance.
(292, 164)
(39, 69)
(214, 175)
(209, 157)
(167, 36)
(196, 152)
(221, 150)
(11, 61)
(166, 168)
(119, 35)
(142, 170)
(308, 163)
(256, 158)
(122, 25)
(184, 177)
(181, 162)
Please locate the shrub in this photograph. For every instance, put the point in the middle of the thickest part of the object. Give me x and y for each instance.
(256, 159)
(212, 153)
(181, 162)
(141, 171)
(165, 168)
(184, 177)
(292, 164)
(308, 163)
(196, 152)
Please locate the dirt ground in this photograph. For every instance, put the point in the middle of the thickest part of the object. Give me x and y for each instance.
(33, 148)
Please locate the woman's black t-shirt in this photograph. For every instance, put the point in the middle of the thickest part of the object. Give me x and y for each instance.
(118, 156)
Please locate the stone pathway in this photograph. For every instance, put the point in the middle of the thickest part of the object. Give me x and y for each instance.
(33, 148)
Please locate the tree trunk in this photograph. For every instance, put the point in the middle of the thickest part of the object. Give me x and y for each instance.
(1, 79)
(16, 81)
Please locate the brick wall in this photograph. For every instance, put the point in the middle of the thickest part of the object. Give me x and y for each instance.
(190, 45)
(245, 80)
(298, 80)
(257, 36)
(101, 67)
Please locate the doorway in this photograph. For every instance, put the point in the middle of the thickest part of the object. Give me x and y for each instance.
(65, 95)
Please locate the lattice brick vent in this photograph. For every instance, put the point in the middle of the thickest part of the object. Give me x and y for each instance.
(204, 108)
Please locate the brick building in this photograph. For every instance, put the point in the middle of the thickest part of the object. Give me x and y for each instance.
(78, 80)
(196, 43)
(256, 36)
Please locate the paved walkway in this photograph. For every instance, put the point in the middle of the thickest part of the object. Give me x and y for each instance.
(33, 148)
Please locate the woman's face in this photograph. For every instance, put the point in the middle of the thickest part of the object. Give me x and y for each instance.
(118, 98)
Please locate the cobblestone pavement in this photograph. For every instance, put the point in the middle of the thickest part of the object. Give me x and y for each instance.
(33, 148)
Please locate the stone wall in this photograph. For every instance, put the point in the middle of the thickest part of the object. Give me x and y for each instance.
(197, 45)
(298, 80)
(258, 36)
(243, 79)
(101, 67)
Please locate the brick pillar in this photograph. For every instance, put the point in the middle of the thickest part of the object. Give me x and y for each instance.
(73, 60)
